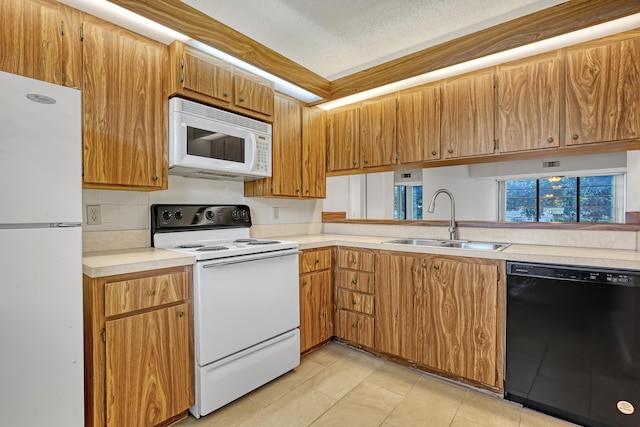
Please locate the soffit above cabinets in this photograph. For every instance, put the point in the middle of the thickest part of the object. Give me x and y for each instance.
(335, 38)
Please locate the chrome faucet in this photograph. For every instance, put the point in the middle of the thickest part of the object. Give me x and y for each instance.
(452, 220)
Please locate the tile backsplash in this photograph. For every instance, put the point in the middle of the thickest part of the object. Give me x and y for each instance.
(120, 210)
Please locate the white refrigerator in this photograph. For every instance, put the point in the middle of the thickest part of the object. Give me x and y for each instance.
(41, 338)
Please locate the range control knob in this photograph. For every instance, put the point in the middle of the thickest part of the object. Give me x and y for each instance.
(166, 215)
(244, 214)
(179, 215)
(209, 215)
(235, 214)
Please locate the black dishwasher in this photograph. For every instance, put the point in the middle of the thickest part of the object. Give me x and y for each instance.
(573, 342)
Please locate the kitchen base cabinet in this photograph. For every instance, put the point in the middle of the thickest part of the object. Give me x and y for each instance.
(443, 314)
(316, 297)
(138, 348)
(355, 295)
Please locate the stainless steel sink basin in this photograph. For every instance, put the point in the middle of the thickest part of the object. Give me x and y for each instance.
(419, 242)
(458, 244)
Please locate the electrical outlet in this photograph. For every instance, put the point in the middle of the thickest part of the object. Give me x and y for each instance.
(276, 213)
(93, 215)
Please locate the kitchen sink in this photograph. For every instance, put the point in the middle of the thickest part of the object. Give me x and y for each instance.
(458, 244)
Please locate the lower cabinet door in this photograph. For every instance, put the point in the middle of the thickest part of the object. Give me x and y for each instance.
(316, 309)
(149, 372)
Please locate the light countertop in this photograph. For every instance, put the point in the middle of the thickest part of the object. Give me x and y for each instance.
(108, 263)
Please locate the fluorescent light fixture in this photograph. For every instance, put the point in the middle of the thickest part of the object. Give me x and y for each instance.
(586, 34)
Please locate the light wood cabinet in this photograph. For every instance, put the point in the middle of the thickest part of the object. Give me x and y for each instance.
(202, 77)
(316, 297)
(298, 151)
(603, 90)
(418, 122)
(31, 39)
(343, 138)
(467, 122)
(378, 132)
(442, 313)
(355, 282)
(529, 104)
(138, 331)
(125, 109)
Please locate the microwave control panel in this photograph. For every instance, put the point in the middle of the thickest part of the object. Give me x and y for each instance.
(263, 154)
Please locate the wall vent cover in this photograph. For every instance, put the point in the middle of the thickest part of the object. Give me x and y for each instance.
(551, 164)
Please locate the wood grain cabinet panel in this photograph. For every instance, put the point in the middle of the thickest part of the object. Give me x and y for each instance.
(418, 122)
(356, 280)
(298, 151)
(316, 297)
(343, 139)
(205, 75)
(529, 104)
(150, 374)
(355, 301)
(356, 259)
(139, 350)
(252, 92)
(125, 110)
(441, 313)
(354, 327)
(378, 132)
(467, 125)
(31, 39)
(603, 91)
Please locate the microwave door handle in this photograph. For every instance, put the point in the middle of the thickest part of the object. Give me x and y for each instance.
(254, 147)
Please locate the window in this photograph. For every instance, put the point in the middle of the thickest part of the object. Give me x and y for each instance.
(407, 202)
(563, 199)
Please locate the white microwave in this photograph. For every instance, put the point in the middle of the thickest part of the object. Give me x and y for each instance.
(206, 142)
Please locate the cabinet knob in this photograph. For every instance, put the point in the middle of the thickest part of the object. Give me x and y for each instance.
(297, 190)
(354, 162)
(242, 99)
(433, 153)
(354, 325)
(225, 94)
(450, 151)
(151, 292)
(424, 265)
(436, 267)
(354, 282)
(366, 161)
(181, 314)
(550, 140)
(154, 177)
(353, 302)
(574, 136)
(354, 261)
(317, 261)
(304, 283)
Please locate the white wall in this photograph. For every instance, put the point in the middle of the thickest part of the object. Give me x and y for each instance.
(633, 181)
(129, 210)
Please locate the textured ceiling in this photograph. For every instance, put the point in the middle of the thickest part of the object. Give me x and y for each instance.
(334, 38)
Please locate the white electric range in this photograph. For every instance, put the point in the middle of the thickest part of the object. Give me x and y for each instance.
(246, 299)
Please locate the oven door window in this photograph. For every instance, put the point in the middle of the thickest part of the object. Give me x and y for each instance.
(215, 145)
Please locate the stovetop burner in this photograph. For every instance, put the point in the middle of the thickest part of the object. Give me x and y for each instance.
(189, 246)
(244, 240)
(212, 248)
(263, 242)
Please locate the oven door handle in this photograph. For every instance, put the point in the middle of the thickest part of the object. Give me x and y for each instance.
(221, 263)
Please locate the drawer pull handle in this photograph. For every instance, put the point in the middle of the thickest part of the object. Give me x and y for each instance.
(353, 302)
(151, 292)
(304, 283)
(436, 267)
(354, 325)
(317, 261)
(574, 137)
(354, 282)
(424, 265)
(181, 314)
(354, 261)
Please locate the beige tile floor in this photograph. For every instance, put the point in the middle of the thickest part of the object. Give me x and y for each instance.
(337, 385)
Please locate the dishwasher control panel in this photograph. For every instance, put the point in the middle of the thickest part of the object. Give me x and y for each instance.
(564, 272)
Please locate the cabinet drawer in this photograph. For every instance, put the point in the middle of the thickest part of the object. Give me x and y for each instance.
(355, 281)
(355, 301)
(130, 295)
(355, 327)
(315, 260)
(356, 259)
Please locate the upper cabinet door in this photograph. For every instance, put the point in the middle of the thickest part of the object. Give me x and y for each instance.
(467, 116)
(206, 75)
(253, 92)
(124, 109)
(418, 120)
(528, 104)
(314, 152)
(287, 147)
(31, 40)
(603, 92)
(344, 130)
(378, 132)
